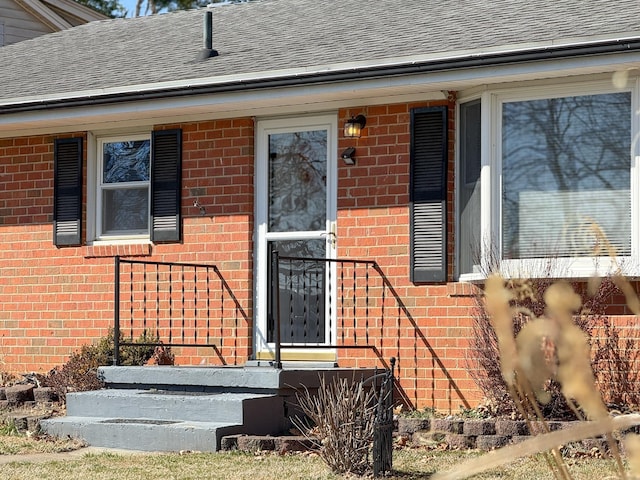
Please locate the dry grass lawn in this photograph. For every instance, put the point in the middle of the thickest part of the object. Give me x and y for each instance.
(22, 444)
(408, 464)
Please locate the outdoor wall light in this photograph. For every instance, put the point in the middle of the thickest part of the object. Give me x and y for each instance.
(347, 156)
(353, 128)
(197, 204)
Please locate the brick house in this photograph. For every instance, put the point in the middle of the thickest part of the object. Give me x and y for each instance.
(490, 132)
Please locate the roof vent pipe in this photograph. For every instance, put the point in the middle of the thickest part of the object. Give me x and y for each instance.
(207, 35)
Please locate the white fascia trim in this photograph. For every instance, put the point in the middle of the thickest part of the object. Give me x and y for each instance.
(304, 94)
(293, 98)
(320, 69)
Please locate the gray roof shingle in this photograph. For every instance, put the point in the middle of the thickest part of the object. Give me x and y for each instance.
(305, 35)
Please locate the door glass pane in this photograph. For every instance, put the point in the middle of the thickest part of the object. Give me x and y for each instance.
(302, 287)
(298, 181)
(566, 176)
(125, 210)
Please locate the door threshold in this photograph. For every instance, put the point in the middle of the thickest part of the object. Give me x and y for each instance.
(294, 364)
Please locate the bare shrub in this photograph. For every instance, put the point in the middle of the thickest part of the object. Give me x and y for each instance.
(614, 358)
(80, 372)
(342, 421)
(555, 347)
(6, 378)
(616, 363)
(162, 356)
(549, 347)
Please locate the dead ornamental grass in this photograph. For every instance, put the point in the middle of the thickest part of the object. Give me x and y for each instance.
(551, 347)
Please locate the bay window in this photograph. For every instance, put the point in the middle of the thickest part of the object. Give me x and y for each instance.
(559, 182)
(469, 187)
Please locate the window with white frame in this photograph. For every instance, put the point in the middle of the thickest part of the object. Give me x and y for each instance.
(558, 183)
(469, 187)
(123, 187)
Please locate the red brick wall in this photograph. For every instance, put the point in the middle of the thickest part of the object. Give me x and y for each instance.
(56, 299)
(429, 337)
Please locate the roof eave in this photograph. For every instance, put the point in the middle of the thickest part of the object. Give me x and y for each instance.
(325, 74)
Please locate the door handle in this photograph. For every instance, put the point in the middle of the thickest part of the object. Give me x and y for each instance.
(331, 238)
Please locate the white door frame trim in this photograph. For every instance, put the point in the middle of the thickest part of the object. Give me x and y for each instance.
(264, 128)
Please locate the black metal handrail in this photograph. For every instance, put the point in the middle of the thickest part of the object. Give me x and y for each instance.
(174, 305)
(371, 314)
(359, 298)
(160, 297)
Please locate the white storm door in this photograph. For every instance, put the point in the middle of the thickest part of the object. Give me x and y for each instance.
(296, 190)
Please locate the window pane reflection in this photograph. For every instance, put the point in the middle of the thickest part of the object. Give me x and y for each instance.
(126, 161)
(566, 175)
(297, 181)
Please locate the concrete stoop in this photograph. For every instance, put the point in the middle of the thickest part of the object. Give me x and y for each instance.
(155, 420)
(171, 412)
(185, 408)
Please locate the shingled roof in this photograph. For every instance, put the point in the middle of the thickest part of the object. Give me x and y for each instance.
(268, 39)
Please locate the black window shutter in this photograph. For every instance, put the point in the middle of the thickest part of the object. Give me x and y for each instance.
(67, 191)
(166, 185)
(429, 194)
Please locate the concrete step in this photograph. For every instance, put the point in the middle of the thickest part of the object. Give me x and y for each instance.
(254, 377)
(205, 378)
(166, 420)
(142, 434)
(172, 405)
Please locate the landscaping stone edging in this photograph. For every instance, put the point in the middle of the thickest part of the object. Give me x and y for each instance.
(256, 443)
(456, 434)
(23, 406)
(26, 394)
(475, 434)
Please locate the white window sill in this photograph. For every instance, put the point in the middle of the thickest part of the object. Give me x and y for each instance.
(576, 268)
(121, 240)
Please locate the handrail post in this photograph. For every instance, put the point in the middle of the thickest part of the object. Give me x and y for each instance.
(383, 424)
(116, 313)
(275, 305)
